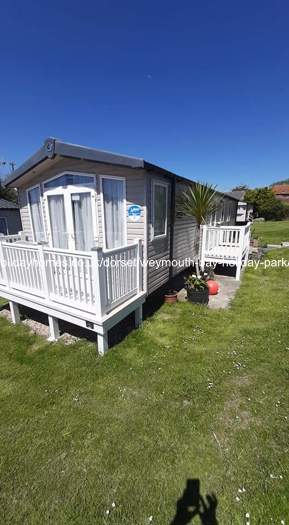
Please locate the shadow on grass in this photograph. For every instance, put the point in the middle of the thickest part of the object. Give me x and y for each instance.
(192, 504)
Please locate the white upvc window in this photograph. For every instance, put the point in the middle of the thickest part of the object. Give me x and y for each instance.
(159, 209)
(36, 213)
(113, 199)
(71, 209)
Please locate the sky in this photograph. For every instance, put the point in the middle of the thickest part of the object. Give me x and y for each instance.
(198, 87)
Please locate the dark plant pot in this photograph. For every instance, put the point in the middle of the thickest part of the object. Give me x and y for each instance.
(198, 296)
(171, 297)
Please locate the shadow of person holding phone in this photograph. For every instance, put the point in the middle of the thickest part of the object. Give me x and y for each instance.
(192, 504)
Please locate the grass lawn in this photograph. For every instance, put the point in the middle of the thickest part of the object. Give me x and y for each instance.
(271, 232)
(195, 393)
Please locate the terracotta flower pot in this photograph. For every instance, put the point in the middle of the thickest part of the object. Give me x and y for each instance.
(171, 297)
(213, 287)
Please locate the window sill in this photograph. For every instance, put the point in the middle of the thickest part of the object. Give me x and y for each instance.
(159, 237)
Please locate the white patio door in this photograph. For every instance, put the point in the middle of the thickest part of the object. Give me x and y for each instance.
(83, 231)
(114, 205)
(72, 218)
(58, 221)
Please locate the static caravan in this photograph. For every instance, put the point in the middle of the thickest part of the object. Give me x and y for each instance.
(98, 229)
(244, 209)
(10, 222)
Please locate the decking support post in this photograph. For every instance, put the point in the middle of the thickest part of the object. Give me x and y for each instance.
(53, 328)
(15, 314)
(102, 343)
(138, 316)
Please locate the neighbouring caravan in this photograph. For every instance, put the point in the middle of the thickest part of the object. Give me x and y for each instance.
(10, 221)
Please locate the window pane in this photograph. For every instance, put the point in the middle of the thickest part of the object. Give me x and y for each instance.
(36, 214)
(82, 221)
(113, 203)
(70, 179)
(58, 221)
(160, 211)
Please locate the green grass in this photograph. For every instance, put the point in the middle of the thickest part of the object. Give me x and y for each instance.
(271, 232)
(79, 432)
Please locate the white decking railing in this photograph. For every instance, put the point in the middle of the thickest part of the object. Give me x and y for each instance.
(226, 244)
(94, 282)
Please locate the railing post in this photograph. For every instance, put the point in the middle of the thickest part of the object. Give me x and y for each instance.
(23, 236)
(242, 238)
(43, 269)
(98, 273)
(3, 266)
(247, 241)
(139, 265)
(240, 254)
(202, 243)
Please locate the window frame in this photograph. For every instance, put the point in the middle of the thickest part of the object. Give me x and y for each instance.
(67, 191)
(123, 179)
(38, 186)
(68, 172)
(165, 185)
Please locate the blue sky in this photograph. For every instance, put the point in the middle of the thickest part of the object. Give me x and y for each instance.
(201, 88)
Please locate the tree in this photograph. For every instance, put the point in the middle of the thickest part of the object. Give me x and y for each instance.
(199, 201)
(266, 204)
(241, 187)
(10, 194)
(284, 181)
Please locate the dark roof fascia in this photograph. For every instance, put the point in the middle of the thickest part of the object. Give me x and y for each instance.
(33, 161)
(65, 149)
(163, 171)
(52, 147)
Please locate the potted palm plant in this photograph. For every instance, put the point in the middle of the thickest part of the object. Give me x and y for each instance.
(199, 201)
(197, 289)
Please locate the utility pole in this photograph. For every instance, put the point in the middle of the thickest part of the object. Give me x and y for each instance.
(11, 163)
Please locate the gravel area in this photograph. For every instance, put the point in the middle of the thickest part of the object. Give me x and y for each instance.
(5, 312)
(38, 328)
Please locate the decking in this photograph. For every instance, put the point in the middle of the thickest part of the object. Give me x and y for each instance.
(99, 288)
(93, 289)
(228, 245)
